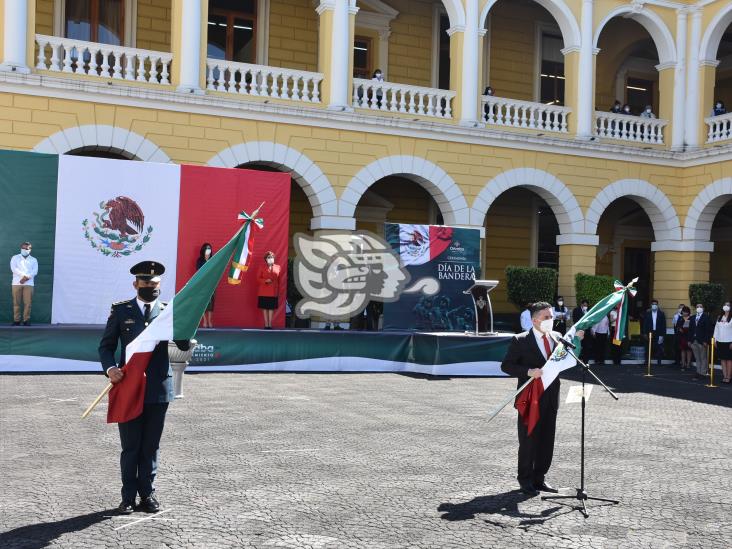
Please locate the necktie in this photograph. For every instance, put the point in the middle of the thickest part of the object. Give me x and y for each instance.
(547, 348)
(147, 313)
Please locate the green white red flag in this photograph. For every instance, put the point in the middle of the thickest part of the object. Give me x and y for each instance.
(527, 402)
(243, 253)
(178, 321)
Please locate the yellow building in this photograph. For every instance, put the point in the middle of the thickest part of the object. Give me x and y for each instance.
(541, 166)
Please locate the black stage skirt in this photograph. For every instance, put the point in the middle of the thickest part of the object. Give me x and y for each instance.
(267, 302)
(723, 351)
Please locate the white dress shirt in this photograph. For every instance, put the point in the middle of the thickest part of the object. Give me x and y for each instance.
(141, 304)
(23, 266)
(540, 341)
(602, 327)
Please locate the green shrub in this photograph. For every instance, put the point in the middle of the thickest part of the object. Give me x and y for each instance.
(530, 284)
(709, 294)
(593, 288)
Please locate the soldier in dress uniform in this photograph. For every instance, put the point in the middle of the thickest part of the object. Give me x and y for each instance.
(140, 437)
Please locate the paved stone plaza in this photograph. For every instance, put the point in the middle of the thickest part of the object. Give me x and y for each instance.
(367, 461)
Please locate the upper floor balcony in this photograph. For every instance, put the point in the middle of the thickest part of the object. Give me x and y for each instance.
(548, 68)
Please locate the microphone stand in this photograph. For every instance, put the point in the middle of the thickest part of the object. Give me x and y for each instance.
(581, 494)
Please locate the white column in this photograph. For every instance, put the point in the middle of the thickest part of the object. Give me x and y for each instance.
(384, 52)
(190, 51)
(693, 83)
(469, 99)
(679, 115)
(15, 39)
(341, 49)
(585, 80)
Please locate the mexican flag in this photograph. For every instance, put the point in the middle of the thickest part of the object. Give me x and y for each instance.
(419, 244)
(178, 321)
(527, 402)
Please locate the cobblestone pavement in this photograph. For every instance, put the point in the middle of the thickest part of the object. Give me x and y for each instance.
(367, 461)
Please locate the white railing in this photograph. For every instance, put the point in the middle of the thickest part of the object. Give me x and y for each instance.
(514, 113)
(720, 127)
(58, 54)
(392, 97)
(626, 127)
(263, 81)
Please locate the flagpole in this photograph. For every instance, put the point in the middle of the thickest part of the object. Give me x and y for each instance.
(509, 400)
(97, 400)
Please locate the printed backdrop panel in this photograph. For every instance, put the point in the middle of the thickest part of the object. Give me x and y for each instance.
(210, 202)
(110, 215)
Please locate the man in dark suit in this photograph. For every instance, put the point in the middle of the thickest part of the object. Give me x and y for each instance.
(140, 437)
(653, 326)
(527, 354)
(700, 330)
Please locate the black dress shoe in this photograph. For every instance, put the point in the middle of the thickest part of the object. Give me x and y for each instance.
(16, 323)
(529, 490)
(126, 508)
(545, 487)
(149, 504)
(26, 323)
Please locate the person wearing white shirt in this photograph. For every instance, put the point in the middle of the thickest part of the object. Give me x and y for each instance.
(723, 339)
(600, 332)
(526, 323)
(24, 268)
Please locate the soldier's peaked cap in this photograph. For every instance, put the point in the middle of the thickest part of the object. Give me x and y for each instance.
(148, 270)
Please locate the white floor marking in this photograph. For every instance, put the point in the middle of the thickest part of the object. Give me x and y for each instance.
(291, 450)
(150, 517)
(63, 399)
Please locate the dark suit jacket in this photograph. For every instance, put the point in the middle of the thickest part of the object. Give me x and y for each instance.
(701, 331)
(576, 314)
(647, 325)
(124, 324)
(524, 354)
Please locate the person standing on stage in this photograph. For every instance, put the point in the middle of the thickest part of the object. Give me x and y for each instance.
(140, 437)
(599, 339)
(682, 337)
(654, 327)
(526, 356)
(561, 312)
(203, 256)
(699, 335)
(723, 339)
(269, 288)
(25, 268)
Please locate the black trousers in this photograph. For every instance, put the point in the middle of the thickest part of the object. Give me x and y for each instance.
(140, 440)
(600, 344)
(536, 451)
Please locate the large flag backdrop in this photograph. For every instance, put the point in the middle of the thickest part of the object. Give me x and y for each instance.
(90, 219)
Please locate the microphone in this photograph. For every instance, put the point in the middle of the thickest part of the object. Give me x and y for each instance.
(563, 341)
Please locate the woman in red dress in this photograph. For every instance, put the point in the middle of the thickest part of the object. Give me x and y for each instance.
(269, 288)
(682, 333)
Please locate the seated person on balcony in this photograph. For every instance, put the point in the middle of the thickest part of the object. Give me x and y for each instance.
(719, 109)
(378, 76)
(617, 108)
(489, 92)
(647, 112)
(626, 110)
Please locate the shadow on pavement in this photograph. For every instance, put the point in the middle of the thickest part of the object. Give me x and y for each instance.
(36, 536)
(505, 504)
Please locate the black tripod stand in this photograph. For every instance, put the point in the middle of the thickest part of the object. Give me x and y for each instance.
(581, 494)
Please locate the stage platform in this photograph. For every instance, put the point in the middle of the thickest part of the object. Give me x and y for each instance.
(74, 349)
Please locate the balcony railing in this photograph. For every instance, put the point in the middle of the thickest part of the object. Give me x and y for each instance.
(625, 127)
(514, 113)
(402, 98)
(103, 60)
(720, 128)
(263, 81)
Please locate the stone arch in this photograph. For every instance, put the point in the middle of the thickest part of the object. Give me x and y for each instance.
(431, 177)
(658, 207)
(455, 11)
(560, 199)
(102, 137)
(311, 179)
(652, 22)
(701, 214)
(714, 33)
(558, 9)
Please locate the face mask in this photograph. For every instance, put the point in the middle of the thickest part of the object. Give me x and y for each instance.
(270, 261)
(699, 310)
(24, 253)
(719, 106)
(648, 110)
(207, 252)
(546, 325)
(626, 110)
(654, 307)
(584, 309)
(148, 294)
(725, 308)
(560, 303)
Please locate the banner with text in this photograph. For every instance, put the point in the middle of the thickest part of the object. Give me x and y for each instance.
(451, 255)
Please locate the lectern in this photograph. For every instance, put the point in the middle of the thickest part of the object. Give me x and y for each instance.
(482, 301)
